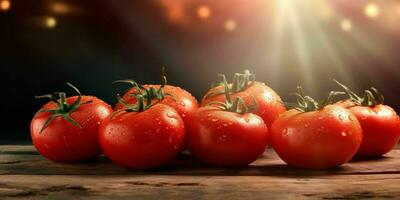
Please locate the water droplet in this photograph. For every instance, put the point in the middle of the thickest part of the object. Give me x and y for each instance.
(351, 118)
(222, 138)
(183, 103)
(158, 130)
(247, 120)
(331, 116)
(341, 117)
(320, 118)
(176, 147)
(183, 115)
(224, 124)
(219, 127)
(230, 123)
(214, 120)
(157, 119)
(307, 125)
(171, 115)
(285, 132)
(208, 115)
(98, 122)
(344, 133)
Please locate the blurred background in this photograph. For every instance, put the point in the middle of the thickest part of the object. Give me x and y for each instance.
(45, 43)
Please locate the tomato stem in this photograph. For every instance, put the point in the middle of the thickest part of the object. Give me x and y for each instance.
(371, 97)
(237, 106)
(240, 82)
(306, 103)
(63, 108)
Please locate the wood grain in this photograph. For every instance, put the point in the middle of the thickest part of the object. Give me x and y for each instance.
(25, 174)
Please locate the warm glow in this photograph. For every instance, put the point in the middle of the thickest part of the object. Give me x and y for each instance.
(60, 8)
(50, 22)
(203, 12)
(346, 25)
(230, 25)
(371, 10)
(5, 5)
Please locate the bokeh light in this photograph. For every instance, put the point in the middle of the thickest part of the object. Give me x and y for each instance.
(346, 25)
(50, 22)
(60, 8)
(371, 10)
(203, 12)
(230, 25)
(5, 5)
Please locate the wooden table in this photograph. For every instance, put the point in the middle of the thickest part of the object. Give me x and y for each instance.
(26, 174)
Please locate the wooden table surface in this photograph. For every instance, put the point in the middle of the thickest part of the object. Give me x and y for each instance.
(27, 175)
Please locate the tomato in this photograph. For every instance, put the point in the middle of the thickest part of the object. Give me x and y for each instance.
(73, 138)
(226, 134)
(380, 123)
(143, 138)
(179, 99)
(244, 85)
(316, 136)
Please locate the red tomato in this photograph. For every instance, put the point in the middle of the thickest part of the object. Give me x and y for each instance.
(181, 100)
(324, 138)
(380, 123)
(64, 141)
(226, 138)
(143, 139)
(268, 101)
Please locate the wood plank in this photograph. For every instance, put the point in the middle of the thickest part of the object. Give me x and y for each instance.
(24, 160)
(152, 187)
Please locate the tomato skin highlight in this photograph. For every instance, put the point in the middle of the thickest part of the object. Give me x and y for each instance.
(380, 128)
(225, 138)
(182, 101)
(64, 142)
(143, 140)
(319, 139)
(268, 101)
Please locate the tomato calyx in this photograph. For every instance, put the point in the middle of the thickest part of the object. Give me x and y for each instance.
(307, 104)
(151, 92)
(237, 106)
(240, 82)
(63, 108)
(371, 97)
(143, 102)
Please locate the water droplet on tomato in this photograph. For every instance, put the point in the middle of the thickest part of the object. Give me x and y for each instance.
(183, 103)
(183, 115)
(157, 119)
(307, 125)
(247, 120)
(344, 134)
(285, 132)
(225, 124)
(222, 138)
(341, 117)
(98, 122)
(230, 123)
(176, 147)
(158, 130)
(320, 118)
(214, 120)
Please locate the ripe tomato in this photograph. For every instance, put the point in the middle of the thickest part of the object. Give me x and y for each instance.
(179, 99)
(71, 131)
(316, 136)
(227, 135)
(244, 86)
(380, 123)
(143, 137)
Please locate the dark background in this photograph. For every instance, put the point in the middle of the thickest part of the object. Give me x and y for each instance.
(96, 42)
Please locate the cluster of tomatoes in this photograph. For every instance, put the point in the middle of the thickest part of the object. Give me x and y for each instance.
(231, 126)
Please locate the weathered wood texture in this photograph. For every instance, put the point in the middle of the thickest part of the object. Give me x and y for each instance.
(25, 174)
